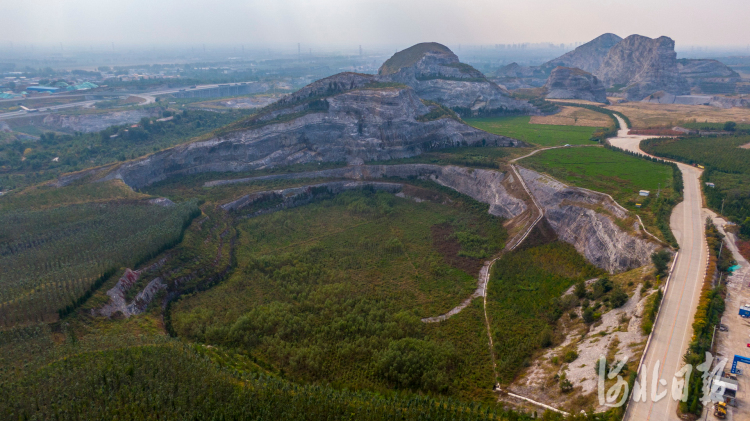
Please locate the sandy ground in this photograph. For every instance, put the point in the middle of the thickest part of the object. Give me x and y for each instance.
(747, 146)
(574, 116)
(650, 115)
(734, 342)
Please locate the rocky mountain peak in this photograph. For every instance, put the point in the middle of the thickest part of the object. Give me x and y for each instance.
(436, 74)
(641, 66)
(588, 56)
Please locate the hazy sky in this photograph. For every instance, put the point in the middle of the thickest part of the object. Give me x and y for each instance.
(347, 22)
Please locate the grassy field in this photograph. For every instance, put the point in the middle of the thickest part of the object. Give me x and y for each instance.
(608, 171)
(334, 292)
(537, 134)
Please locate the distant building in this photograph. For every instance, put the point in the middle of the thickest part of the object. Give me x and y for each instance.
(48, 89)
(644, 193)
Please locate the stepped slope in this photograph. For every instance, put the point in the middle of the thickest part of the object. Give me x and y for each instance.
(355, 125)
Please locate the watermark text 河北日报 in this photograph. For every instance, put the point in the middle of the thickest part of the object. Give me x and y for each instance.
(657, 389)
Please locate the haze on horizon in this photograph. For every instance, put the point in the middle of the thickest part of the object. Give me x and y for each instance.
(368, 22)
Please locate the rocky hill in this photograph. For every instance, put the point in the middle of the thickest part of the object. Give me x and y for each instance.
(369, 122)
(588, 57)
(436, 74)
(515, 76)
(708, 76)
(641, 66)
(573, 83)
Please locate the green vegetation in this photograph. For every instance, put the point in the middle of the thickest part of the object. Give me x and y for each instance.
(437, 111)
(538, 134)
(727, 167)
(24, 163)
(620, 175)
(53, 259)
(720, 153)
(731, 125)
(650, 311)
(524, 302)
(334, 291)
(170, 380)
(481, 157)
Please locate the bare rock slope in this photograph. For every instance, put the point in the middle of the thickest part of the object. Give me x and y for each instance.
(642, 66)
(343, 118)
(588, 57)
(709, 76)
(572, 214)
(436, 74)
(573, 83)
(485, 186)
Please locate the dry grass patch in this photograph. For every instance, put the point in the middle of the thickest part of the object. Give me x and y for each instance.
(644, 115)
(574, 116)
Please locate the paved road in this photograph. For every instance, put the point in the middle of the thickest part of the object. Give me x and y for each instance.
(673, 330)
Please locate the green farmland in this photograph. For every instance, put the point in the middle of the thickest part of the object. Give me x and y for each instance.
(538, 134)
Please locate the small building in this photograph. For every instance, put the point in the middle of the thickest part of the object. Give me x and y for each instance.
(644, 193)
(47, 89)
(730, 387)
(712, 185)
(745, 311)
(638, 205)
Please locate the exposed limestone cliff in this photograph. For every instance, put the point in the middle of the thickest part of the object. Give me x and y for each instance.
(570, 83)
(587, 57)
(642, 66)
(437, 75)
(515, 76)
(572, 213)
(580, 217)
(485, 186)
(89, 123)
(354, 126)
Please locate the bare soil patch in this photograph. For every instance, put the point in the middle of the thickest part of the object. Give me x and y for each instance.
(448, 246)
(746, 146)
(744, 247)
(574, 116)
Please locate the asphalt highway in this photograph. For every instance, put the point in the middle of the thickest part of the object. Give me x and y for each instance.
(673, 329)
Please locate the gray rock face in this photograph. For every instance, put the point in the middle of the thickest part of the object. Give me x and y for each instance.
(570, 83)
(354, 126)
(515, 76)
(643, 66)
(709, 76)
(570, 212)
(437, 75)
(587, 57)
(485, 186)
(89, 123)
